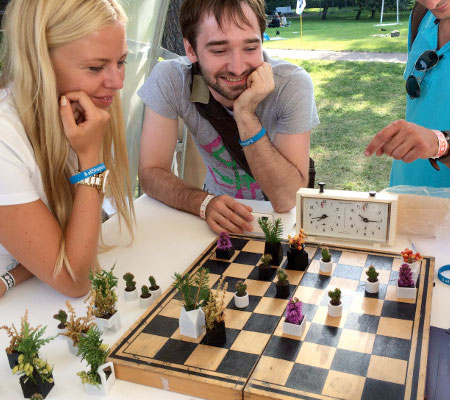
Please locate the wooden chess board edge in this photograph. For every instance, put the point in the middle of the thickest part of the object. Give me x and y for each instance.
(180, 383)
(258, 390)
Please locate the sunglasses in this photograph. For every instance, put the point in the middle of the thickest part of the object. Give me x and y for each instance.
(427, 60)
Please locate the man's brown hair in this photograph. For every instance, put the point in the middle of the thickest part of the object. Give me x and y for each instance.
(192, 11)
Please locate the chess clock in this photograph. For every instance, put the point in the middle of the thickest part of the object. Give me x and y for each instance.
(345, 215)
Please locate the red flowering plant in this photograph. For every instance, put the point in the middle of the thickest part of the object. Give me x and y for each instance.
(294, 311)
(409, 256)
(297, 242)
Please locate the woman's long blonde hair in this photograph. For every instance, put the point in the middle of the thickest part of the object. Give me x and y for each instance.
(31, 28)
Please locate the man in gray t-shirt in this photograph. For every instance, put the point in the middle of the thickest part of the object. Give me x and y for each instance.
(227, 87)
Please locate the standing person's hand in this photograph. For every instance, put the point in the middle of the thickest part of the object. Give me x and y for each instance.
(404, 141)
(84, 126)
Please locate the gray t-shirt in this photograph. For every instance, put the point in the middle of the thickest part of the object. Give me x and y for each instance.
(290, 109)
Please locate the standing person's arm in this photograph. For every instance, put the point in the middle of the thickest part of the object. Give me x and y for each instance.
(158, 142)
(30, 232)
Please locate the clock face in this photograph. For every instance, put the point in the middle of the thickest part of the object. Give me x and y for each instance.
(346, 219)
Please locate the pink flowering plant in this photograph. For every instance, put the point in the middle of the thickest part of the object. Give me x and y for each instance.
(294, 311)
(405, 276)
(297, 242)
(224, 241)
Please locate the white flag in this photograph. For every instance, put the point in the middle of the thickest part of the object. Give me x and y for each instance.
(300, 6)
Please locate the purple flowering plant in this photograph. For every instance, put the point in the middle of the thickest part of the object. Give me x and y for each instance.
(405, 276)
(294, 311)
(224, 241)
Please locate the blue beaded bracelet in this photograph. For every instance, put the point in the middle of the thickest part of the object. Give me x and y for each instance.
(441, 276)
(98, 169)
(253, 139)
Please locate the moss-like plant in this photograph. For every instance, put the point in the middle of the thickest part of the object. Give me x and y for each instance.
(92, 349)
(153, 285)
(215, 306)
(372, 274)
(241, 289)
(335, 296)
(130, 283)
(145, 293)
(61, 316)
(15, 336)
(272, 229)
(326, 256)
(75, 326)
(282, 276)
(193, 288)
(103, 284)
(265, 261)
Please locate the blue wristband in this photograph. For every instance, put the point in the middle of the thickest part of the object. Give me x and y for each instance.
(443, 278)
(98, 169)
(253, 139)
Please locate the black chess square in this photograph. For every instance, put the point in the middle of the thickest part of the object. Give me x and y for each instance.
(317, 281)
(261, 323)
(362, 322)
(175, 351)
(283, 348)
(379, 262)
(381, 294)
(306, 378)
(397, 309)
(376, 390)
(309, 310)
(351, 362)
(162, 326)
(255, 274)
(231, 283)
(323, 334)
(231, 335)
(237, 363)
(272, 290)
(245, 257)
(216, 266)
(392, 347)
(238, 243)
(347, 271)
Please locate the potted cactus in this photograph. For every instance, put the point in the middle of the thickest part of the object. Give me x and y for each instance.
(372, 283)
(105, 298)
(296, 255)
(272, 231)
(130, 292)
(264, 268)
(100, 377)
(282, 285)
(335, 304)
(406, 288)
(215, 316)
(155, 290)
(326, 264)
(413, 260)
(195, 291)
(241, 299)
(61, 316)
(294, 322)
(224, 247)
(146, 298)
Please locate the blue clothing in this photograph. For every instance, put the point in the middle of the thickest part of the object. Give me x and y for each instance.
(431, 109)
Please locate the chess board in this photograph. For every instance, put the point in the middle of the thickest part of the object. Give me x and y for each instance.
(377, 349)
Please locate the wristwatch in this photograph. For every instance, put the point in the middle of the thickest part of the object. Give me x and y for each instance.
(446, 158)
(98, 181)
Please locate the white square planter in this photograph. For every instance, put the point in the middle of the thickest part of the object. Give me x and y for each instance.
(294, 329)
(241, 301)
(155, 293)
(192, 322)
(130, 296)
(406, 292)
(334, 311)
(372, 287)
(145, 302)
(326, 267)
(415, 269)
(107, 382)
(112, 323)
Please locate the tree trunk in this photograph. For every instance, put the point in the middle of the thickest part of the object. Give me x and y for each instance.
(172, 39)
(325, 9)
(358, 14)
(372, 13)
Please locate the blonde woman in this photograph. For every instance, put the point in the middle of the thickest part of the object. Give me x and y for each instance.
(61, 134)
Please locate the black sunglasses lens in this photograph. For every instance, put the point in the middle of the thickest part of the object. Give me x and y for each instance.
(427, 60)
(412, 87)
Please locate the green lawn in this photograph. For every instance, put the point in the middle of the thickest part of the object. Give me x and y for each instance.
(354, 100)
(341, 32)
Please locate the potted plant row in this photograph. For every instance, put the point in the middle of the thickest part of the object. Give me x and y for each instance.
(130, 292)
(241, 299)
(272, 231)
(294, 322)
(296, 255)
(154, 288)
(215, 316)
(145, 299)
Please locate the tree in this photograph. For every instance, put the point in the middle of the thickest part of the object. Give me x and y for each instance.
(172, 39)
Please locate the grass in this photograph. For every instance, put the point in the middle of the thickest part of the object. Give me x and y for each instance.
(341, 32)
(354, 101)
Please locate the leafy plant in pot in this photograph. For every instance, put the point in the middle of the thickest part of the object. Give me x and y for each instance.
(294, 322)
(155, 290)
(265, 269)
(105, 298)
(214, 315)
(36, 374)
(145, 300)
(100, 377)
(241, 299)
(326, 265)
(296, 255)
(372, 284)
(272, 231)
(130, 292)
(335, 304)
(224, 247)
(406, 288)
(282, 285)
(195, 291)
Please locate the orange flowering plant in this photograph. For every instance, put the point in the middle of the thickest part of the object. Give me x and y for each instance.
(296, 242)
(409, 256)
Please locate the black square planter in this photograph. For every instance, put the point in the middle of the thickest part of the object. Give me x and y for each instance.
(29, 387)
(13, 358)
(224, 254)
(265, 273)
(217, 335)
(275, 250)
(282, 290)
(297, 259)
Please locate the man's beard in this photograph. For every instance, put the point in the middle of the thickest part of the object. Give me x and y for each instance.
(229, 93)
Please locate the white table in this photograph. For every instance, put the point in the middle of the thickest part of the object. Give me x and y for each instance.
(166, 241)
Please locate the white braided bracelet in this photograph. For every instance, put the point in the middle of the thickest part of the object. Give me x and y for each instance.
(204, 204)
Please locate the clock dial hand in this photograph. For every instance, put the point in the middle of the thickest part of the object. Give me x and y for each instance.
(321, 217)
(366, 220)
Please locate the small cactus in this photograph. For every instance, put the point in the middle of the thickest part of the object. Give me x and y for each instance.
(130, 283)
(153, 285)
(326, 256)
(372, 274)
(335, 296)
(62, 318)
(241, 289)
(282, 275)
(265, 260)
(145, 293)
